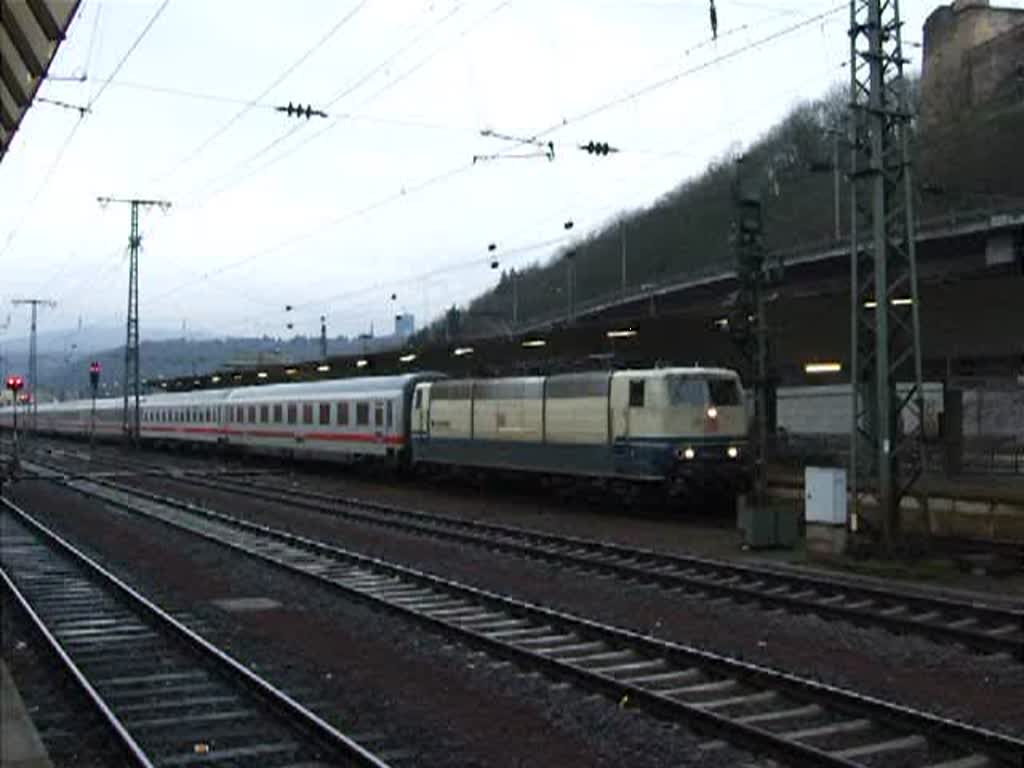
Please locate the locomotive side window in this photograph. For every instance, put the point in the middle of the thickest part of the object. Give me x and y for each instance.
(636, 394)
(278, 413)
(342, 414)
(362, 414)
(293, 413)
(325, 413)
(307, 413)
(264, 414)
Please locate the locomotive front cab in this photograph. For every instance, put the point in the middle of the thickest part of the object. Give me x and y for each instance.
(709, 417)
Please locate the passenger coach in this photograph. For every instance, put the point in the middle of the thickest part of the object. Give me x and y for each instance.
(684, 427)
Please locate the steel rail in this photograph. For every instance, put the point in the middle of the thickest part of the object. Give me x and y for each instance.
(310, 723)
(129, 744)
(499, 624)
(898, 611)
(985, 628)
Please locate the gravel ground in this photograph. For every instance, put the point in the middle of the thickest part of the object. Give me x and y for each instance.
(910, 670)
(411, 689)
(73, 733)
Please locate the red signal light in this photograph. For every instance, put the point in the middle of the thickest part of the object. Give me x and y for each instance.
(14, 383)
(94, 368)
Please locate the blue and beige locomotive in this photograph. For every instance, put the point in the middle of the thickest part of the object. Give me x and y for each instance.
(677, 426)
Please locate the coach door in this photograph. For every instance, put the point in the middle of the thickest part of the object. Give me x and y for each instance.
(421, 411)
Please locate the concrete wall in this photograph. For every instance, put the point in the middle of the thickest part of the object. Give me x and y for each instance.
(826, 411)
(994, 413)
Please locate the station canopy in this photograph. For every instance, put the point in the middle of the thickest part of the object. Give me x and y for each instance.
(30, 33)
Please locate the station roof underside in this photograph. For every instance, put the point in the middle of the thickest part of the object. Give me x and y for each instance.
(30, 33)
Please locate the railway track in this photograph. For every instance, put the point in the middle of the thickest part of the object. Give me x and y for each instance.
(985, 628)
(170, 697)
(798, 721)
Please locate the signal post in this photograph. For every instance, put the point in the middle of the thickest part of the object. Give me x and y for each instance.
(15, 384)
(94, 383)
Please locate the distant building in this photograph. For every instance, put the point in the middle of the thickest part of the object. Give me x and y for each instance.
(973, 57)
(405, 325)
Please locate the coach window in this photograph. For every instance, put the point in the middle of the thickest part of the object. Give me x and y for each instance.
(277, 413)
(239, 414)
(307, 413)
(342, 414)
(293, 413)
(252, 414)
(378, 414)
(390, 414)
(362, 414)
(264, 414)
(325, 413)
(636, 394)
(419, 399)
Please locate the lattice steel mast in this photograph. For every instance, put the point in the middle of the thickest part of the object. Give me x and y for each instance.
(886, 446)
(33, 357)
(132, 382)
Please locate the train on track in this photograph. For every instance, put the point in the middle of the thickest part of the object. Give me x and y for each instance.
(684, 428)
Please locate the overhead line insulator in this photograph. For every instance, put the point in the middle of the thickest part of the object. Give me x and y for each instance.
(298, 110)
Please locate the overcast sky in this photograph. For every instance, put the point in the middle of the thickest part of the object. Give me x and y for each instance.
(334, 215)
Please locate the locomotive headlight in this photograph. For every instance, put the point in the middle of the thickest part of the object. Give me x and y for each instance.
(732, 452)
(689, 453)
(712, 412)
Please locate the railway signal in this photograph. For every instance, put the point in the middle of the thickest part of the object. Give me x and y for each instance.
(15, 384)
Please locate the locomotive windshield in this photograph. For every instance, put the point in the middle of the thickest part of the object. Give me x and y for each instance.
(687, 390)
(723, 392)
(699, 392)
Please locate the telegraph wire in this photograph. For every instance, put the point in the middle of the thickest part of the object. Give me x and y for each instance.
(332, 101)
(224, 127)
(292, 240)
(324, 302)
(458, 170)
(81, 118)
(129, 52)
(703, 66)
(659, 84)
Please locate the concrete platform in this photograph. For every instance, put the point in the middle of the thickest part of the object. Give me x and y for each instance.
(20, 745)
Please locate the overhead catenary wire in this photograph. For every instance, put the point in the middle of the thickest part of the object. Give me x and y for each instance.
(215, 190)
(71, 135)
(247, 106)
(638, 93)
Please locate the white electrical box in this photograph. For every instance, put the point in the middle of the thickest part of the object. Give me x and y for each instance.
(825, 495)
